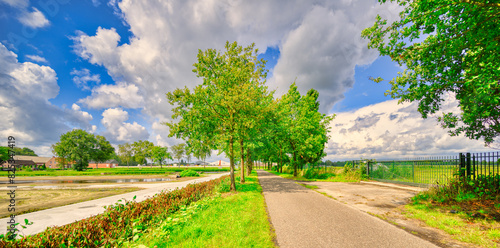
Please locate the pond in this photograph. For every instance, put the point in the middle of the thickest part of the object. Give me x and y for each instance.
(90, 181)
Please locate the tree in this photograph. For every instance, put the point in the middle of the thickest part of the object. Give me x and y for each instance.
(159, 153)
(178, 151)
(306, 129)
(460, 54)
(104, 149)
(142, 151)
(125, 153)
(25, 151)
(80, 147)
(218, 109)
(4, 154)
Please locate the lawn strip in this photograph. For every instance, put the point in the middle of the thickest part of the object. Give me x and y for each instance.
(223, 220)
(479, 232)
(339, 177)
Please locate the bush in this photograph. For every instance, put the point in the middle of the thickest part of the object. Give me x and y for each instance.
(462, 189)
(189, 173)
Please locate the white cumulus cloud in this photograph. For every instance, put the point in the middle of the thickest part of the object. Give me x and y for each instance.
(106, 96)
(120, 131)
(26, 111)
(34, 19)
(84, 79)
(391, 131)
(37, 58)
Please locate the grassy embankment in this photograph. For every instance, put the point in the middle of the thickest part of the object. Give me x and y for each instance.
(222, 220)
(329, 174)
(468, 210)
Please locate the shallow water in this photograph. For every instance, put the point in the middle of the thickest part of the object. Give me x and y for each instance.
(90, 181)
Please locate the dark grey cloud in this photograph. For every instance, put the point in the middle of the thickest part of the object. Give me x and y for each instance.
(364, 122)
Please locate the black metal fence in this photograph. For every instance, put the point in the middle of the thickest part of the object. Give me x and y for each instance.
(432, 170)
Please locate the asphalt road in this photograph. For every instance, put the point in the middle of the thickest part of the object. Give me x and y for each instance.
(304, 218)
(63, 215)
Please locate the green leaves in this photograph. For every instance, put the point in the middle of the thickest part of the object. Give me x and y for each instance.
(454, 47)
(79, 147)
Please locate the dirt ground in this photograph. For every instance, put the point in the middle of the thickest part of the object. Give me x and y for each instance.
(386, 202)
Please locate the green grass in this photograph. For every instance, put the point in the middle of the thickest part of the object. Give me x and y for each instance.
(111, 171)
(482, 233)
(223, 220)
(338, 176)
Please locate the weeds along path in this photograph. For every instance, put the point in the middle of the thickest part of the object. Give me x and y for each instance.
(59, 216)
(304, 218)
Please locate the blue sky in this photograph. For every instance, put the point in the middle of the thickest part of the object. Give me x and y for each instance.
(105, 66)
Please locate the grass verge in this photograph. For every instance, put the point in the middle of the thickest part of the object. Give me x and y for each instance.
(480, 232)
(112, 171)
(36, 199)
(337, 176)
(222, 220)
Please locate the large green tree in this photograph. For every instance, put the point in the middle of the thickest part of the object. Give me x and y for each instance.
(304, 128)
(159, 154)
(80, 147)
(142, 150)
(4, 154)
(125, 153)
(104, 149)
(178, 151)
(446, 46)
(220, 108)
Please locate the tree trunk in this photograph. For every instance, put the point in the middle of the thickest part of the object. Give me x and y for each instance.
(294, 164)
(231, 164)
(249, 162)
(242, 177)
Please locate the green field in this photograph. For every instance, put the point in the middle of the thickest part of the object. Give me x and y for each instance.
(425, 172)
(114, 171)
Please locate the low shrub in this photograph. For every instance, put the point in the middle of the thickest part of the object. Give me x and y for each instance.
(120, 222)
(477, 198)
(189, 173)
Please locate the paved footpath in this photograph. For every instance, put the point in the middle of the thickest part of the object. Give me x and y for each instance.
(304, 218)
(70, 213)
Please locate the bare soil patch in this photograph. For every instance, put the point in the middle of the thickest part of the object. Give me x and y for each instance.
(387, 204)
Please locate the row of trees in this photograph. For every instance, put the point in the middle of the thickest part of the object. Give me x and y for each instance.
(233, 112)
(79, 147)
(140, 151)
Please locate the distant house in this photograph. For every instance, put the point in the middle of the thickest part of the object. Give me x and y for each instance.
(108, 164)
(20, 164)
(49, 162)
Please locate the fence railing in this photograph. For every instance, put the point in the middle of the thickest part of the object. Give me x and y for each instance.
(476, 164)
(432, 170)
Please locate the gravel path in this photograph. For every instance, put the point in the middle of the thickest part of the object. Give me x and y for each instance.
(304, 218)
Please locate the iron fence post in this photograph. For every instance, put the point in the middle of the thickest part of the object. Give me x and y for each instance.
(368, 168)
(468, 166)
(413, 171)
